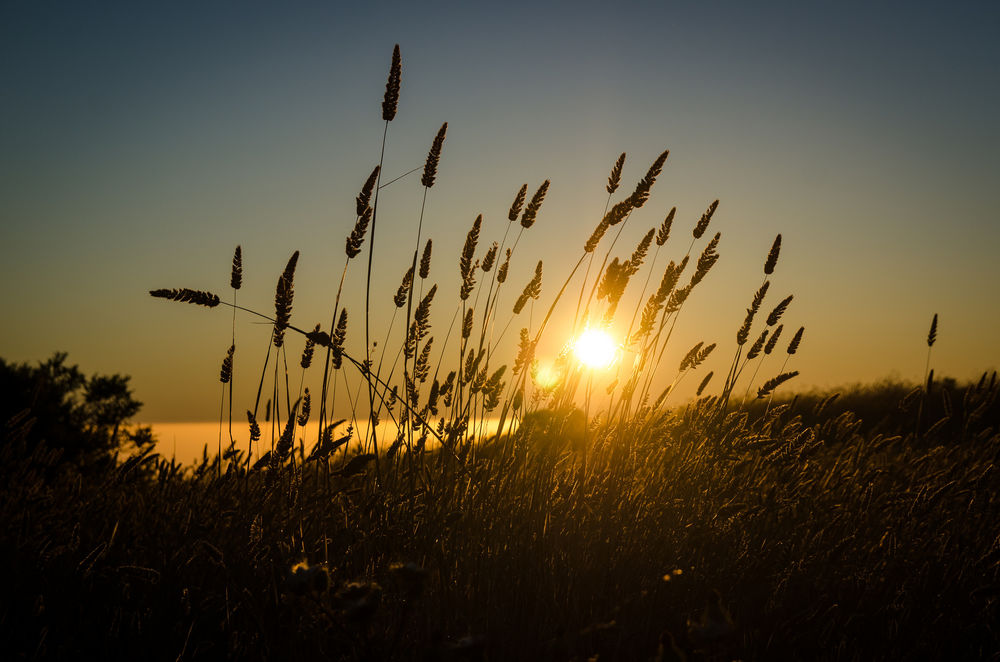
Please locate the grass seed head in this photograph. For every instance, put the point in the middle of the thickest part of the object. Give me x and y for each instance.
(615, 178)
(702, 225)
(515, 207)
(664, 232)
(236, 277)
(391, 100)
(531, 210)
(433, 157)
(772, 256)
(425, 261)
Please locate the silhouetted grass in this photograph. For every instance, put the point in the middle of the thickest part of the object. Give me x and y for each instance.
(583, 526)
(826, 539)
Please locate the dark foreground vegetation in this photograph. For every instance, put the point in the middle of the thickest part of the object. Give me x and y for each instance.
(822, 535)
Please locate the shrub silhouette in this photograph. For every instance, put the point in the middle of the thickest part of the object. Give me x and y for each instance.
(55, 404)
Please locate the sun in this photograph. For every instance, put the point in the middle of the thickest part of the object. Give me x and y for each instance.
(595, 349)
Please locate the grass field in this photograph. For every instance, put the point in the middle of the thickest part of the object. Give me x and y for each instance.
(514, 511)
(826, 536)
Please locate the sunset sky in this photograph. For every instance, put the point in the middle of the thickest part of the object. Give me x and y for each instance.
(141, 142)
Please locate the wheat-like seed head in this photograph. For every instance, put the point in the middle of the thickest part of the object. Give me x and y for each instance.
(932, 335)
(702, 225)
(357, 237)
(639, 254)
(420, 325)
(744, 333)
(433, 156)
(664, 232)
(531, 209)
(690, 357)
(425, 261)
(422, 367)
(465, 265)
(490, 258)
(337, 342)
(796, 340)
(617, 213)
(707, 260)
(391, 100)
(400, 297)
(642, 189)
(226, 372)
(185, 295)
(772, 256)
(306, 408)
(364, 198)
(615, 178)
(283, 300)
(779, 310)
(773, 340)
(531, 291)
(703, 384)
(254, 428)
(515, 207)
(774, 383)
(502, 271)
(307, 351)
(236, 278)
(596, 236)
(525, 352)
(677, 298)
(467, 323)
(757, 346)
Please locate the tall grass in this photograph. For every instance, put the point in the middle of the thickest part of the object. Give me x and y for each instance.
(523, 514)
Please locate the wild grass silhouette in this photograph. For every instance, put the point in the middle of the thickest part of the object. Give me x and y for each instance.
(516, 517)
